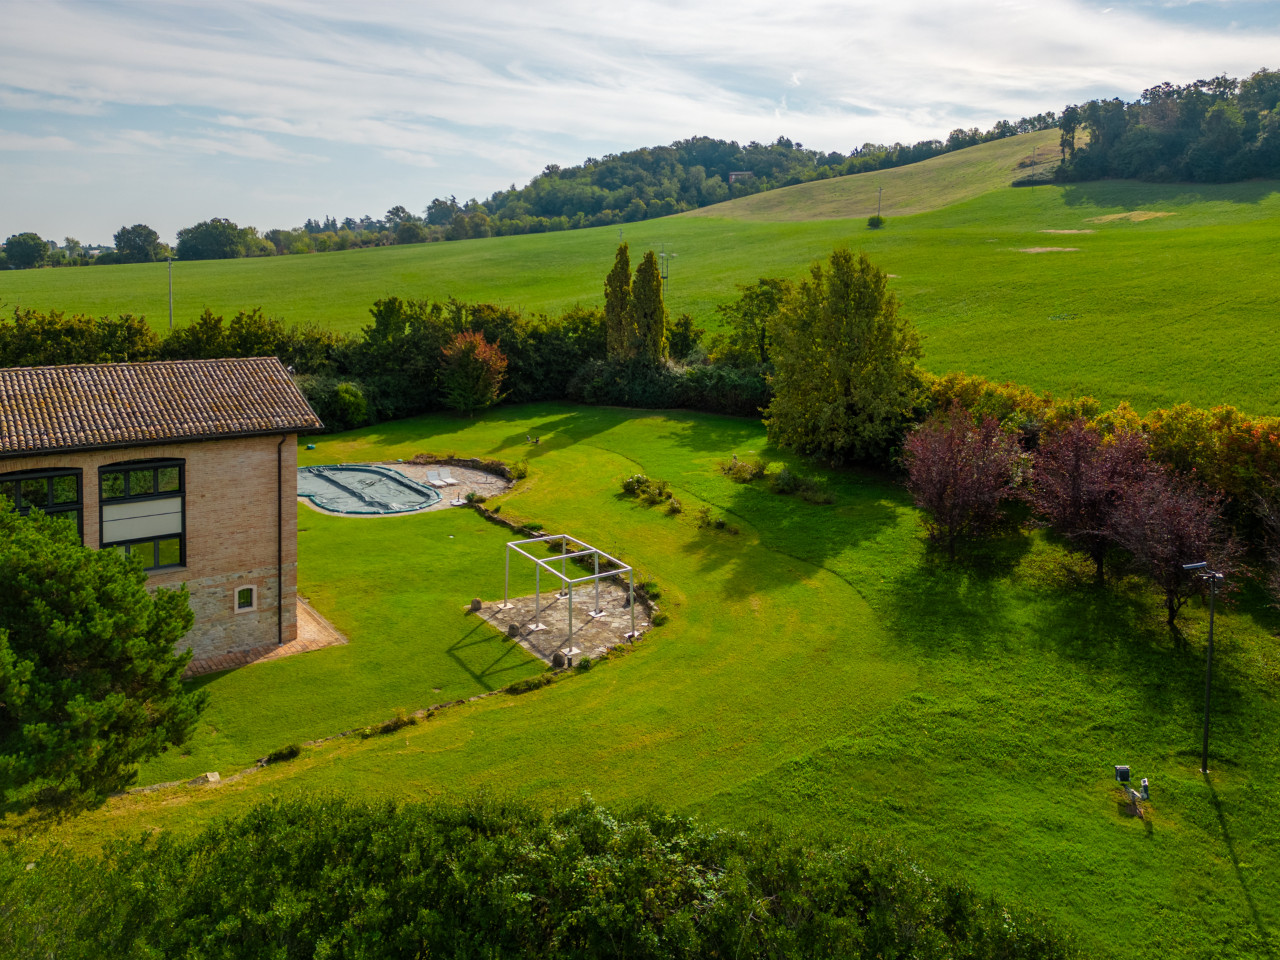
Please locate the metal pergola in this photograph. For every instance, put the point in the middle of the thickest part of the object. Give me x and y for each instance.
(581, 549)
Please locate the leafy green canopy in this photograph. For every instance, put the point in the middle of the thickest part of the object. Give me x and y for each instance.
(89, 681)
(846, 382)
(333, 878)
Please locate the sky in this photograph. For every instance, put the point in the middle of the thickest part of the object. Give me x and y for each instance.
(267, 113)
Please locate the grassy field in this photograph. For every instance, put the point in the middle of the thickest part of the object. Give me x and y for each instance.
(1153, 311)
(821, 670)
(393, 583)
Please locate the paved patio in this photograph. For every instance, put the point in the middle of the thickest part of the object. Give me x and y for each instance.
(314, 633)
(592, 635)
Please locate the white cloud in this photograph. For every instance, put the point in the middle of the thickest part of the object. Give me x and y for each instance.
(479, 97)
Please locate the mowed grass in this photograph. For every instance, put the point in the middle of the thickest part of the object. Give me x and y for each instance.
(822, 670)
(1177, 309)
(398, 587)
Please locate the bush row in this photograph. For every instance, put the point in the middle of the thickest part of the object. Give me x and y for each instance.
(339, 878)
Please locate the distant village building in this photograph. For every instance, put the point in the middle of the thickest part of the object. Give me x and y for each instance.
(189, 465)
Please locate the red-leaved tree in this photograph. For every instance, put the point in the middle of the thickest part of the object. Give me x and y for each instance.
(1166, 522)
(1078, 481)
(960, 473)
(473, 373)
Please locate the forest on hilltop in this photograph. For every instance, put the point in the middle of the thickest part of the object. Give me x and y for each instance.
(1209, 131)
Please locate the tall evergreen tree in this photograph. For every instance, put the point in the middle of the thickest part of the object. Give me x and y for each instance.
(617, 306)
(648, 312)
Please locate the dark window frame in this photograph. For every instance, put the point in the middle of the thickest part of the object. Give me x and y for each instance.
(49, 507)
(155, 465)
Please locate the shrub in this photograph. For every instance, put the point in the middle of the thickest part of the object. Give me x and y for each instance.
(703, 517)
(281, 755)
(474, 497)
(659, 619)
(650, 588)
(398, 722)
(584, 664)
(519, 469)
(674, 506)
(530, 683)
(875, 222)
(743, 471)
(499, 878)
(635, 483)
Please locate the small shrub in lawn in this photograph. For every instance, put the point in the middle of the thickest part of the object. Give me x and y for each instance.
(659, 619)
(281, 755)
(519, 469)
(658, 491)
(785, 481)
(583, 665)
(474, 497)
(530, 683)
(533, 527)
(635, 483)
(651, 589)
(703, 517)
(743, 471)
(875, 222)
(398, 722)
(674, 506)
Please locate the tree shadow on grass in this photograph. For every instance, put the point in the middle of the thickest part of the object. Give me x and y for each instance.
(944, 606)
(557, 432)
(1134, 195)
(795, 537)
(508, 658)
(1263, 932)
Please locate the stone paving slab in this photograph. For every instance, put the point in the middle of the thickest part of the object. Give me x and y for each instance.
(314, 633)
(591, 637)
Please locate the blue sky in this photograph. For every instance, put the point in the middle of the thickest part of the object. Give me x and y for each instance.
(271, 112)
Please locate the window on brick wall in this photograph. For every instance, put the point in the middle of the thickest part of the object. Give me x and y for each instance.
(143, 504)
(59, 493)
(246, 599)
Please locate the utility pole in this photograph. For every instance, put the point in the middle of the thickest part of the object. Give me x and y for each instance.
(879, 194)
(1202, 571)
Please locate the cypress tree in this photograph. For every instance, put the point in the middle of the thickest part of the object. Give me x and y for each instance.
(617, 306)
(649, 313)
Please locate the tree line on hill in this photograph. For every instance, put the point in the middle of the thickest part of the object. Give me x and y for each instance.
(1209, 131)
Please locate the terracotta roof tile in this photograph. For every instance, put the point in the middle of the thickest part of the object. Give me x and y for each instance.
(45, 409)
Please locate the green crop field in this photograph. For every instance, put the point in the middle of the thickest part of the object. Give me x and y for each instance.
(820, 669)
(1154, 311)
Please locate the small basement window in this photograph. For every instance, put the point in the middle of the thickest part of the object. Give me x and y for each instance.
(246, 599)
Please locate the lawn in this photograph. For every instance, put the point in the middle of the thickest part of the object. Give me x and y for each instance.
(820, 669)
(398, 586)
(1155, 312)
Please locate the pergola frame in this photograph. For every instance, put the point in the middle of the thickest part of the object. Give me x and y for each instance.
(566, 581)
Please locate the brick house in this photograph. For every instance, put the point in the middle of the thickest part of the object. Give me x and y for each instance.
(190, 465)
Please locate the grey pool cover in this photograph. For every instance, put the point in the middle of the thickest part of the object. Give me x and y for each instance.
(352, 488)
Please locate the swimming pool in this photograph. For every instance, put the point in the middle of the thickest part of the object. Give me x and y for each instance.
(363, 489)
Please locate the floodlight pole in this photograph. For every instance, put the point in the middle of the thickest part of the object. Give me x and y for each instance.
(1202, 571)
(537, 595)
(631, 599)
(569, 639)
(506, 582)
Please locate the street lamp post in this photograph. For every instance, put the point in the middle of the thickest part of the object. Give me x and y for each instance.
(1202, 571)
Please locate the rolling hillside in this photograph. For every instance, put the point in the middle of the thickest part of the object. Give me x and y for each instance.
(916, 188)
(1112, 302)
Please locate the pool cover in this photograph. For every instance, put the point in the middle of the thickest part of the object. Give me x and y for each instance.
(362, 489)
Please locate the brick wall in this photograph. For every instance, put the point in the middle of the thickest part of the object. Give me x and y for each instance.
(231, 511)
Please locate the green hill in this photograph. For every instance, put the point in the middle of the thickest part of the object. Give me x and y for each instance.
(917, 188)
(1150, 310)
